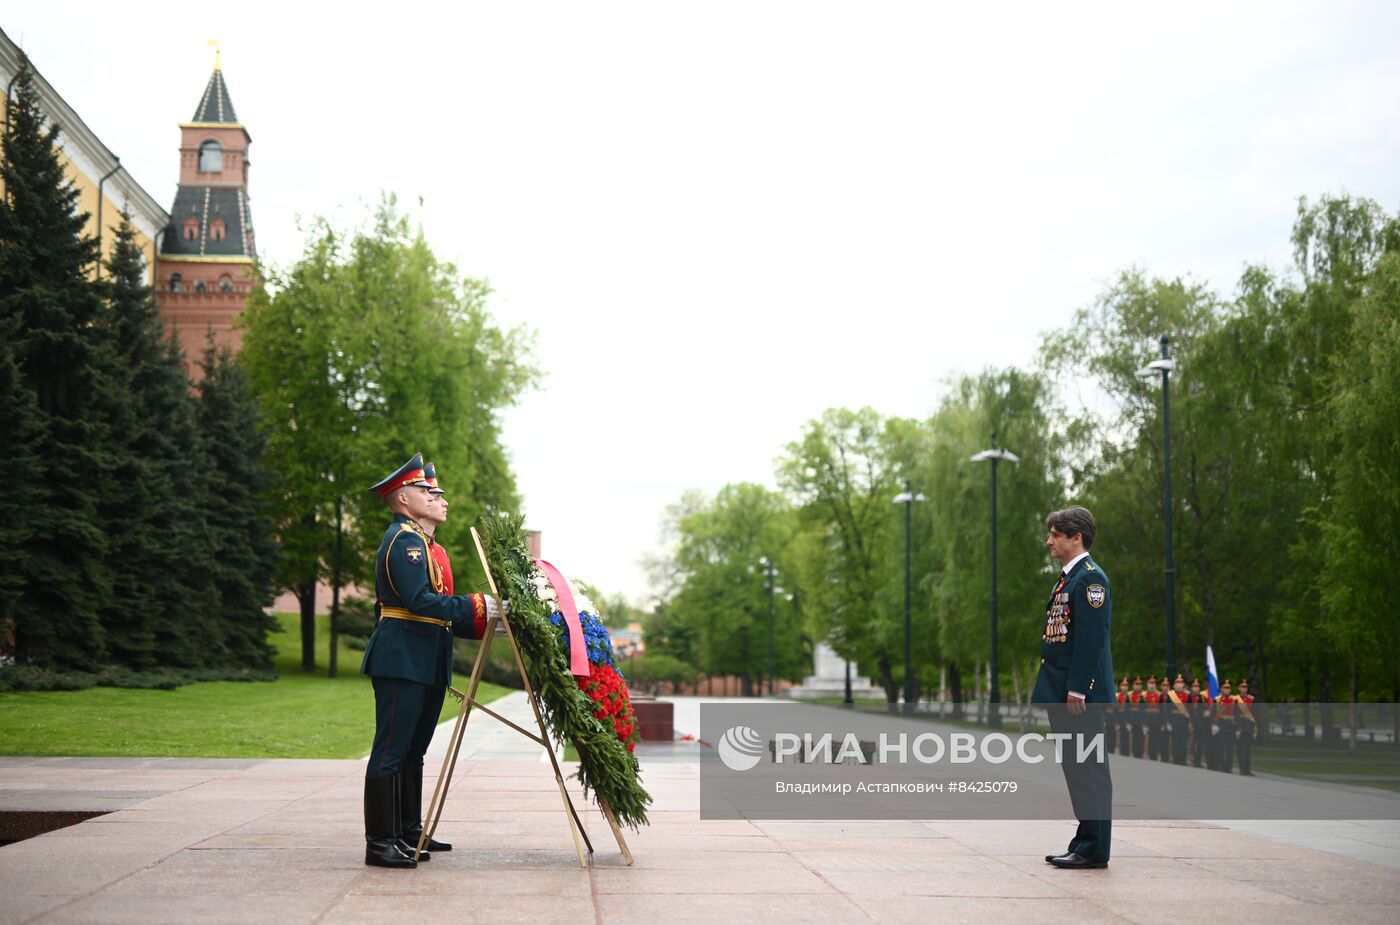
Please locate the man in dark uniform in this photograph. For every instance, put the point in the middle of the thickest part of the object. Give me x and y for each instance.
(1076, 681)
(411, 778)
(1125, 733)
(1179, 719)
(409, 655)
(1244, 704)
(1225, 719)
(1200, 723)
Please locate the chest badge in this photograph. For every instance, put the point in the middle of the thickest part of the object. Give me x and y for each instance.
(1096, 595)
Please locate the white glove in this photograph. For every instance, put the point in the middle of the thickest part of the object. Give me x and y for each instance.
(495, 607)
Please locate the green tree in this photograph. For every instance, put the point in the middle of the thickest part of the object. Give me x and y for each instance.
(840, 473)
(49, 309)
(1015, 410)
(238, 527)
(22, 473)
(1362, 538)
(152, 503)
(1342, 327)
(368, 349)
(723, 601)
(1116, 462)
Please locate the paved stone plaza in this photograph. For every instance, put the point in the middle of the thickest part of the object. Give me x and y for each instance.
(235, 841)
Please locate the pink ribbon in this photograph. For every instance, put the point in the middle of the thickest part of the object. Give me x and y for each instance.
(578, 651)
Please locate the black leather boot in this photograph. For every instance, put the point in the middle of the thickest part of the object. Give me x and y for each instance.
(413, 810)
(381, 825)
(406, 845)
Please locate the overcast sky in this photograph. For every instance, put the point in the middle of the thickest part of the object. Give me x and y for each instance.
(723, 219)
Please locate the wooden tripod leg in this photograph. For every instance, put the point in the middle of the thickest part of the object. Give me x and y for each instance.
(617, 832)
(449, 764)
(612, 821)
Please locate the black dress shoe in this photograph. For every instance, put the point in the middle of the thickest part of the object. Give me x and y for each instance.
(385, 853)
(410, 835)
(1075, 861)
(407, 848)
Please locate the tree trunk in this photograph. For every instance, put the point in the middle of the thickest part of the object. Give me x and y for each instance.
(955, 685)
(1324, 693)
(1355, 707)
(1307, 704)
(306, 597)
(882, 662)
(1261, 697)
(977, 695)
(332, 663)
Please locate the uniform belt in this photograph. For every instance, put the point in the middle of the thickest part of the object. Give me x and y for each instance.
(398, 613)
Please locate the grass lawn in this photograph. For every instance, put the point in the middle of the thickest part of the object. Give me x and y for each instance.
(296, 716)
(1373, 764)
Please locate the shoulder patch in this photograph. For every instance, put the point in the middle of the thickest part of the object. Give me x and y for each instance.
(416, 555)
(1096, 594)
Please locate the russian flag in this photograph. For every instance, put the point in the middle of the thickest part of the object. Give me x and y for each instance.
(1212, 676)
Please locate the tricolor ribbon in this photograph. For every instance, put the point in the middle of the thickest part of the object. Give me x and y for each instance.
(578, 650)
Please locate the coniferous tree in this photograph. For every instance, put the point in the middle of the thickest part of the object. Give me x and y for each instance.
(151, 505)
(20, 473)
(48, 310)
(243, 552)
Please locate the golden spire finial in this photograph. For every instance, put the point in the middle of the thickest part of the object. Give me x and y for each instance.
(214, 43)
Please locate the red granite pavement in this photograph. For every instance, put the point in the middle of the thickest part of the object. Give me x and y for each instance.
(227, 842)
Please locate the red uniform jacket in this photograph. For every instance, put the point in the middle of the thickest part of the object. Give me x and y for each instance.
(445, 564)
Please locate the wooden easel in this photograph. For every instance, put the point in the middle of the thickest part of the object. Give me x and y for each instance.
(468, 701)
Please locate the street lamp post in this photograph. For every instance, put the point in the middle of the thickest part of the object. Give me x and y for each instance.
(907, 498)
(994, 456)
(1165, 364)
(770, 572)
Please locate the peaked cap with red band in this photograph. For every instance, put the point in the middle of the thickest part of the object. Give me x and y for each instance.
(430, 476)
(409, 475)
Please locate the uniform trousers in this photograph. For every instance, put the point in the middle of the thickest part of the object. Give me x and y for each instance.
(405, 717)
(1090, 786)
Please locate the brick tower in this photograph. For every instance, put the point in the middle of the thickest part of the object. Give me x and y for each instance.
(206, 252)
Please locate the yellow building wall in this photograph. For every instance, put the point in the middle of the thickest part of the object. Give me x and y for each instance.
(111, 211)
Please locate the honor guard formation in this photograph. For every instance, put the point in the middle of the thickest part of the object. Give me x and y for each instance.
(409, 658)
(1175, 724)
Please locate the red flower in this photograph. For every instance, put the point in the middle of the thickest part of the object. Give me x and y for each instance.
(611, 700)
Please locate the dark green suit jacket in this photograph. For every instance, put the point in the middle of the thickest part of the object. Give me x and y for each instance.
(404, 580)
(1075, 649)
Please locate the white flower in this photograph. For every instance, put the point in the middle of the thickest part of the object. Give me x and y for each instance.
(543, 589)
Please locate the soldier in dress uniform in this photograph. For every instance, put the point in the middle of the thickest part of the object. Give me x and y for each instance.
(1110, 725)
(409, 655)
(1076, 681)
(1178, 719)
(1247, 724)
(1153, 719)
(1200, 723)
(1125, 734)
(411, 778)
(1122, 719)
(1225, 719)
(1137, 704)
